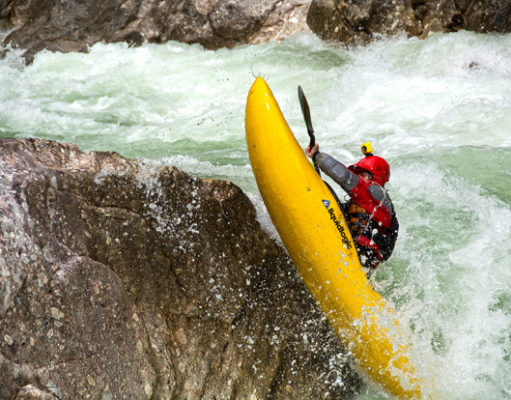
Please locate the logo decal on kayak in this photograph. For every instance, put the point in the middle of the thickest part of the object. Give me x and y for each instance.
(340, 228)
(326, 203)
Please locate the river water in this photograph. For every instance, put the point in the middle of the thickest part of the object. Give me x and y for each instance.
(439, 110)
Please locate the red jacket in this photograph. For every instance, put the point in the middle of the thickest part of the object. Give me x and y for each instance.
(370, 212)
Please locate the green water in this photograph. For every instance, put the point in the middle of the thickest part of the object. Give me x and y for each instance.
(439, 110)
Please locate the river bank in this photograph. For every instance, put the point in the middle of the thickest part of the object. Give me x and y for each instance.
(76, 26)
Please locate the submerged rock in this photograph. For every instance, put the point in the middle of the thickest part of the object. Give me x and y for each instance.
(351, 21)
(123, 280)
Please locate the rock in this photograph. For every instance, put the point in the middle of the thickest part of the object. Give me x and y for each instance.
(76, 25)
(351, 21)
(120, 279)
(30, 392)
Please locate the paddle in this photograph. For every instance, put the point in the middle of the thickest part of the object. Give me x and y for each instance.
(307, 117)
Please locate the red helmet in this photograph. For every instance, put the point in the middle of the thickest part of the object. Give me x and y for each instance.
(377, 166)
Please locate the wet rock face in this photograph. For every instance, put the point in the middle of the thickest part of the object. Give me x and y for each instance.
(356, 21)
(74, 25)
(124, 280)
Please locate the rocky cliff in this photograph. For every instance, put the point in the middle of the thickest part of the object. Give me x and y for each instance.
(74, 25)
(123, 280)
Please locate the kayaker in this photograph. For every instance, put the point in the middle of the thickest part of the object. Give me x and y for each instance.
(369, 211)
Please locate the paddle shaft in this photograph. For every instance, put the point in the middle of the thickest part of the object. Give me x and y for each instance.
(308, 122)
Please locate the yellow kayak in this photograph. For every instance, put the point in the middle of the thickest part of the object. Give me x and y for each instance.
(314, 231)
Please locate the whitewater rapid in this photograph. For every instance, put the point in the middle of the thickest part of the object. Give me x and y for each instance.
(437, 109)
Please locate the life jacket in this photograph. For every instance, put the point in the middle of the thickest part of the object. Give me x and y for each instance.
(375, 242)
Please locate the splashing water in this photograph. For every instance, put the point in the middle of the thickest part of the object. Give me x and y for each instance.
(438, 110)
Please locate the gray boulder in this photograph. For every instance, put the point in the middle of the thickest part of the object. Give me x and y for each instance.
(74, 25)
(121, 280)
(359, 21)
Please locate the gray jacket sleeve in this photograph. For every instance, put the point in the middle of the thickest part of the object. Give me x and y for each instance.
(337, 171)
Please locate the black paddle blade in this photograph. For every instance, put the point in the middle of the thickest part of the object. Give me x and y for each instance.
(306, 115)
